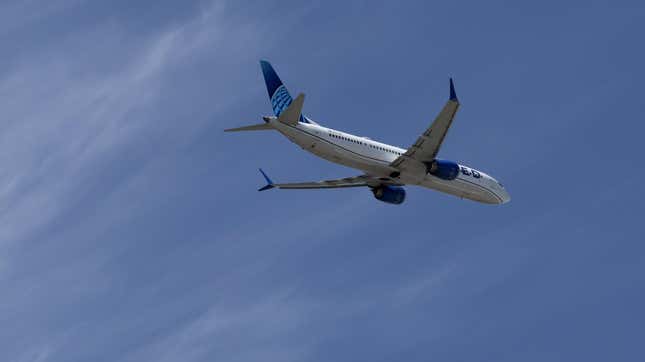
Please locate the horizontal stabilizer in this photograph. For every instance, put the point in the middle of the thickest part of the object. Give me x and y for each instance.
(255, 127)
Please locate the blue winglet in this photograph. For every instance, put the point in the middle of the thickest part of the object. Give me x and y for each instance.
(269, 182)
(453, 95)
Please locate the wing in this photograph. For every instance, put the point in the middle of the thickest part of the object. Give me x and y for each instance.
(357, 181)
(427, 146)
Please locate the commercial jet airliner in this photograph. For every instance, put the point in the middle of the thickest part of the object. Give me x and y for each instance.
(385, 169)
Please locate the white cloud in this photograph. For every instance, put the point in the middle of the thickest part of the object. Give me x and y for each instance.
(15, 14)
(65, 111)
(63, 117)
(58, 120)
(228, 332)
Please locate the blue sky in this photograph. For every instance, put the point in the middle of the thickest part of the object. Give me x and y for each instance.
(131, 228)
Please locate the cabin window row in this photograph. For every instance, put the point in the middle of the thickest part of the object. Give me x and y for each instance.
(364, 144)
(346, 139)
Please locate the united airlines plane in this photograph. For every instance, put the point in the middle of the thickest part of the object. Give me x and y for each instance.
(385, 169)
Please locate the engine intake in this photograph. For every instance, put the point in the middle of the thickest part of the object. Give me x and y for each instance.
(444, 169)
(390, 194)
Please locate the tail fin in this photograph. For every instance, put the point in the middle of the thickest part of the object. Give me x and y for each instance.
(293, 113)
(278, 93)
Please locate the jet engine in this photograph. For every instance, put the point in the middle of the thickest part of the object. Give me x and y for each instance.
(390, 194)
(444, 169)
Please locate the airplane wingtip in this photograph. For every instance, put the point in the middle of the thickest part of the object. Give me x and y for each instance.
(269, 184)
(453, 94)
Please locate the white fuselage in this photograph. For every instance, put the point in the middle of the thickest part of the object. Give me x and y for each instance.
(374, 158)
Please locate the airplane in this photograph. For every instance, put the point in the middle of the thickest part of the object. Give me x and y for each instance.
(385, 168)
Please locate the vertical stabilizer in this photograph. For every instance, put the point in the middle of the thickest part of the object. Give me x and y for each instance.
(278, 94)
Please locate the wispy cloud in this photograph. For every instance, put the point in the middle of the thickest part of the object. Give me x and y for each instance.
(70, 114)
(58, 120)
(228, 332)
(16, 14)
(130, 228)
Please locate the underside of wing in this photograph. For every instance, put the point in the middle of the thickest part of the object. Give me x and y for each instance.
(427, 146)
(356, 181)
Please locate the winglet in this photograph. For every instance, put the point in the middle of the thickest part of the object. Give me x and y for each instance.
(453, 95)
(269, 182)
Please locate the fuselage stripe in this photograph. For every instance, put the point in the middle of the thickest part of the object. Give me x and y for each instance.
(482, 187)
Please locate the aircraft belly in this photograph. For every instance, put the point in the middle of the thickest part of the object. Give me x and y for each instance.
(351, 159)
(334, 153)
(462, 189)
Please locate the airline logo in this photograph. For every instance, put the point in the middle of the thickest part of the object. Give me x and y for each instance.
(281, 100)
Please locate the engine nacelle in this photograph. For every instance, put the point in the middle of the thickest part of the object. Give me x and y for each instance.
(444, 169)
(390, 194)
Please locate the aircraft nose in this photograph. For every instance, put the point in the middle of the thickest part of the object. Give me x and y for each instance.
(505, 197)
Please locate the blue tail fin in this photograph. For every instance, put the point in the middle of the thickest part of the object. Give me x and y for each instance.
(278, 94)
